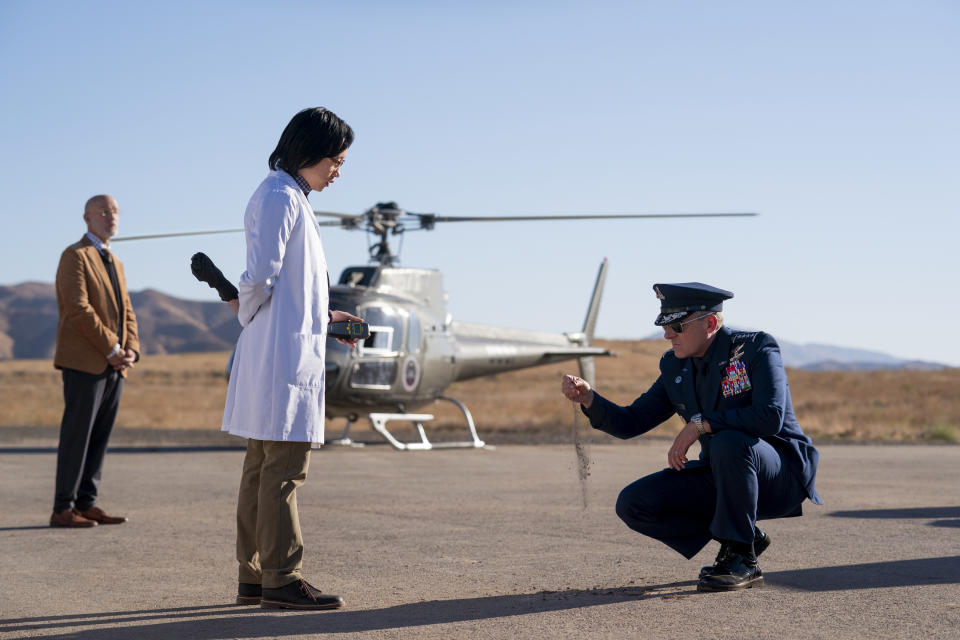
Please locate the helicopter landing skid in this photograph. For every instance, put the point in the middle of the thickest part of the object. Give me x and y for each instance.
(379, 423)
(345, 440)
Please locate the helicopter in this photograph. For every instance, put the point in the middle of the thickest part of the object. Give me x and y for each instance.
(415, 350)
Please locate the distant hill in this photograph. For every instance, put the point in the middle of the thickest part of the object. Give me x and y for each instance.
(825, 357)
(28, 322)
(28, 329)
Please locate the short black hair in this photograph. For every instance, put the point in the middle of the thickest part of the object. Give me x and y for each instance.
(312, 135)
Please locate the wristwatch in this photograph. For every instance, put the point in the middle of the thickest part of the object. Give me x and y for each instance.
(697, 419)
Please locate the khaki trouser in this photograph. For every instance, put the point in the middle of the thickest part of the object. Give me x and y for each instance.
(269, 544)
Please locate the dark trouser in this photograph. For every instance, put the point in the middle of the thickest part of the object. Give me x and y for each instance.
(90, 407)
(744, 481)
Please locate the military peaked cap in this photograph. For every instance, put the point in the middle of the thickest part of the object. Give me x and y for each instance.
(677, 301)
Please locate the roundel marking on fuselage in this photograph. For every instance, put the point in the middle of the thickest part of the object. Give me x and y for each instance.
(411, 373)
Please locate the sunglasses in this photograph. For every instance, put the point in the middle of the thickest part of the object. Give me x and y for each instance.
(677, 327)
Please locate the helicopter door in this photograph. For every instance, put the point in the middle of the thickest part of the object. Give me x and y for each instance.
(378, 354)
(438, 357)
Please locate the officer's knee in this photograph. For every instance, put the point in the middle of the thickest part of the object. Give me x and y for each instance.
(632, 507)
(624, 506)
(730, 444)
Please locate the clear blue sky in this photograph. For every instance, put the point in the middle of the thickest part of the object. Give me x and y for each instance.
(837, 121)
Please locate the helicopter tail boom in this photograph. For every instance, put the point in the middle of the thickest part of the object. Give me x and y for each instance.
(484, 350)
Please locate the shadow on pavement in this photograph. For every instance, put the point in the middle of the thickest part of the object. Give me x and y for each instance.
(51, 620)
(147, 448)
(950, 515)
(214, 623)
(871, 575)
(915, 512)
(946, 523)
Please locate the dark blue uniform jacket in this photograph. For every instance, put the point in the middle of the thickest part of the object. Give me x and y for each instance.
(750, 393)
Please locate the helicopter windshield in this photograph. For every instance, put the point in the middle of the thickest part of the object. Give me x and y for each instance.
(377, 368)
(341, 302)
(386, 331)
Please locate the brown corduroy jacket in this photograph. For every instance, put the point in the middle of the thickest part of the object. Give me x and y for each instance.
(89, 325)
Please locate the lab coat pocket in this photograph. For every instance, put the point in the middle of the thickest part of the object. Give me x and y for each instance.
(306, 360)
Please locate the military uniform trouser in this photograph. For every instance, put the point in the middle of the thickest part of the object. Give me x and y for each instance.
(269, 543)
(743, 481)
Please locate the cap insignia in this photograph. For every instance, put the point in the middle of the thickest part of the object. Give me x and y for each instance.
(670, 317)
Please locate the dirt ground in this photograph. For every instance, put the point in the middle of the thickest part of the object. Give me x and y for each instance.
(479, 544)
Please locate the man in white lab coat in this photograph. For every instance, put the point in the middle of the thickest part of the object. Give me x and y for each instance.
(276, 394)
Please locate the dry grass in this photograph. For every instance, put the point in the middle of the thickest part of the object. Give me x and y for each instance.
(170, 391)
(187, 392)
(895, 406)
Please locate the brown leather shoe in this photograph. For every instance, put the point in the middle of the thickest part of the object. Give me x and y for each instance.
(97, 515)
(70, 518)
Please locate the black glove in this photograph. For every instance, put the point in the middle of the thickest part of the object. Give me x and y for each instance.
(205, 271)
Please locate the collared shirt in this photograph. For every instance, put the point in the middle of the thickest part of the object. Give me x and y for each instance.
(701, 367)
(101, 246)
(97, 242)
(303, 184)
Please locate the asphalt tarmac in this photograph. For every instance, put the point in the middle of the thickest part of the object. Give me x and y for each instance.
(479, 544)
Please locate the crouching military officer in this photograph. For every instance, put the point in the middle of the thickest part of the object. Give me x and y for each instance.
(755, 462)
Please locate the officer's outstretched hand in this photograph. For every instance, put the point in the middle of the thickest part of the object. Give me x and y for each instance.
(577, 390)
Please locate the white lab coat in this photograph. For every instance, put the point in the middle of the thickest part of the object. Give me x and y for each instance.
(276, 389)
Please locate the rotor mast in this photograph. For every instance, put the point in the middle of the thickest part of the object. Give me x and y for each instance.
(383, 220)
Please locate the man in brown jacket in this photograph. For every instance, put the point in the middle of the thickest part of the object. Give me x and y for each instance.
(96, 343)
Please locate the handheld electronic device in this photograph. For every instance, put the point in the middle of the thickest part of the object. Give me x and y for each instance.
(349, 329)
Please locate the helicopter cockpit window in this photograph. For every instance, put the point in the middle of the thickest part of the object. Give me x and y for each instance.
(374, 375)
(358, 276)
(377, 368)
(341, 302)
(386, 331)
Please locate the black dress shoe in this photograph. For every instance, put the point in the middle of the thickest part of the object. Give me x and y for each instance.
(299, 594)
(731, 573)
(248, 593)
(760, 544)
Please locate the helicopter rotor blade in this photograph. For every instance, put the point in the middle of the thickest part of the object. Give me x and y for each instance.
(334, 214)
(155, 236)
(174, 235)
(428, 220)
(435, 218)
